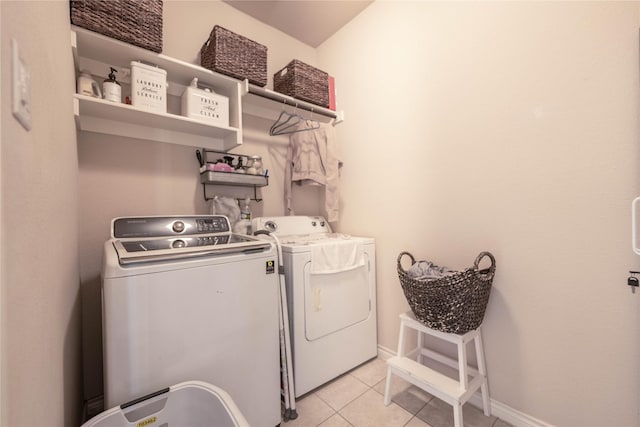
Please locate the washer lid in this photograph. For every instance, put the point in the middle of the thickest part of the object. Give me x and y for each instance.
(159, 238)
(171, 248)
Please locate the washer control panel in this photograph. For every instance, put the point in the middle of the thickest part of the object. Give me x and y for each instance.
(162, 226)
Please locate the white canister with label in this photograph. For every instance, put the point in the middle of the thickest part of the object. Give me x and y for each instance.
(148, 87)
(205, 105)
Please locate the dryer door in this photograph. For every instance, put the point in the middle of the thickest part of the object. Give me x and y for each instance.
(335, 301)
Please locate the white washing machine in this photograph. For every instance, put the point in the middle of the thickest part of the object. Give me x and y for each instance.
(331, 292)
(185, 299)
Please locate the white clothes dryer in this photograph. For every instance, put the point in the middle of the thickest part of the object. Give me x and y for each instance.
(331, 294)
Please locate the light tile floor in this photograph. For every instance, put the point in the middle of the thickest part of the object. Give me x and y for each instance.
(356, 399)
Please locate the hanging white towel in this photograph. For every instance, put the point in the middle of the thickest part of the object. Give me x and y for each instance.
(336, 256)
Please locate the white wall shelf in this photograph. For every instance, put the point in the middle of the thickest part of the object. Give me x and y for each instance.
(97, 115)
(96, 53)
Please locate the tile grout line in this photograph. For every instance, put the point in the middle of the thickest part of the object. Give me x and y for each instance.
(355, 398)
(337, 411)
(352, 400)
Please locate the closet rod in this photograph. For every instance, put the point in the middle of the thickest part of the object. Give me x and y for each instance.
(288, 100)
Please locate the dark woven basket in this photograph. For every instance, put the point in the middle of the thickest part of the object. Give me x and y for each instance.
(137, 22)
(233, 55)
(302, 81)
(454, 303)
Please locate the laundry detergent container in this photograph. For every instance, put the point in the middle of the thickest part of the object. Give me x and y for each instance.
(191, 403)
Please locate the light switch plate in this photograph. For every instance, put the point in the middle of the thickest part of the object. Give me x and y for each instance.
(21, 87)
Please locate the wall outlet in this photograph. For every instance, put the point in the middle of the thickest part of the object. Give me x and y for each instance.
(21, 87)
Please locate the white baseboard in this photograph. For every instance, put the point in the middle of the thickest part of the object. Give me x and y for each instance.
(384, 353)
(498, 409)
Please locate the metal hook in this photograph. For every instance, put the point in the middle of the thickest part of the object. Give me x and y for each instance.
(633, 281)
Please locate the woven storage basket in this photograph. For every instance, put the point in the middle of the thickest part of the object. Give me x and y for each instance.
(454, 303)
(228, 53)
(137, 22)
(302, 81)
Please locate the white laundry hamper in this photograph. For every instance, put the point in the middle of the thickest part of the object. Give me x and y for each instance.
(191, 403)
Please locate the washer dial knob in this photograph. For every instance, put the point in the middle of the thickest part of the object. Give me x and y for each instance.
(178, 226)
(178, 244)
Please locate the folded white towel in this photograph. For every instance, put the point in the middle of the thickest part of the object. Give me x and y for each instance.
(334, 256)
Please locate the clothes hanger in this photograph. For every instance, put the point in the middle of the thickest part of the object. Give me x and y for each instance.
(285, 122)
(288, 123)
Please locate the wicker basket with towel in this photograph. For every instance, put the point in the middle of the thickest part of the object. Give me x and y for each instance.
(445, 300)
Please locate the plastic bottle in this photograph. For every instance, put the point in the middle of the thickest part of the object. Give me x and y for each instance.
(245, 211)
(245, 214)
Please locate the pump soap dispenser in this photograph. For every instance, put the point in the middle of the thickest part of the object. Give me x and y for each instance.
(111, 88)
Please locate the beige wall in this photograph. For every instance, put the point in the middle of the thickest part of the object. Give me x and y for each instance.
(510, 127)
(40, 288)
(122, 176)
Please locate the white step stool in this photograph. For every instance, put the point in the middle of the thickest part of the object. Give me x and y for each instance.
(441, 386)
